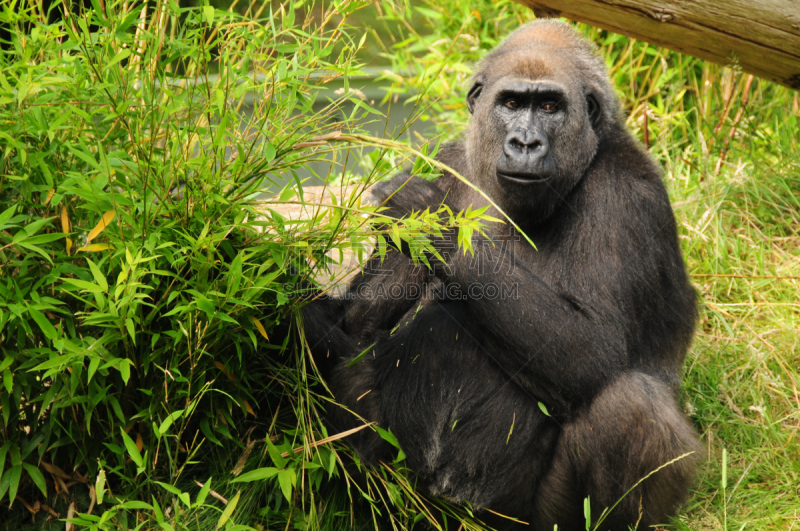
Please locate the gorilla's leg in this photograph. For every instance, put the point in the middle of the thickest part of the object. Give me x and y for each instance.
(632, 427)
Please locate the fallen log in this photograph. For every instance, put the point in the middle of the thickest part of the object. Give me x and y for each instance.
(761, 37)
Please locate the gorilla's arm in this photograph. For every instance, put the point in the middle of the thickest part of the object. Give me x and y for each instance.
(526, 332)
(405, 193)
(380, 294)
(561, 346)
(386, 288)
(565, 343)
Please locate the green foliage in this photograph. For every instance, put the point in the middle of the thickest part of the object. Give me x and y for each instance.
(142, 277)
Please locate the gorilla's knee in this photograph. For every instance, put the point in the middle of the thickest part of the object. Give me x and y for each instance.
(633, 428)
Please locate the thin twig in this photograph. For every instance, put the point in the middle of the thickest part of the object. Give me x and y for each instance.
(332, 438)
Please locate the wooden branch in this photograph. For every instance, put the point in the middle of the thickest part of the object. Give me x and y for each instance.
(761, 36)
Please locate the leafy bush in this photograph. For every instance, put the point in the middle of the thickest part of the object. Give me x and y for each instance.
(141, 279)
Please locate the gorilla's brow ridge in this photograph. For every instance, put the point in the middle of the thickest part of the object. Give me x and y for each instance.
(546, 89)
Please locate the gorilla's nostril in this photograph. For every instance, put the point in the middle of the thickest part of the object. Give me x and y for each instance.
(524, 143)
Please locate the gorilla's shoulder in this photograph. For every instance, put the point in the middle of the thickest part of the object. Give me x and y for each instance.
(620, 155)
(625, 182)
(453, 155)
(405, 192)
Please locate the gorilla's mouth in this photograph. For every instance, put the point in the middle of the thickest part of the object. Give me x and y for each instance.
(525, 178)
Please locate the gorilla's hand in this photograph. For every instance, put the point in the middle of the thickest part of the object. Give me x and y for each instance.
(405, 194)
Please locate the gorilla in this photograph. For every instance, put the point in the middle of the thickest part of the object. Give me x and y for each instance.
(522, 379)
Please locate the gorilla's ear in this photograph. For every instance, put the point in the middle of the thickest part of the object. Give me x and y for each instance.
(593, 108)
(473, 93)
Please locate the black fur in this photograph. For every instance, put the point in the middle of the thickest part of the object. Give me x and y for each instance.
(593, 325)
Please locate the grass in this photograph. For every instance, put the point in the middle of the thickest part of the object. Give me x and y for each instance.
(738, 210)
(740, 231)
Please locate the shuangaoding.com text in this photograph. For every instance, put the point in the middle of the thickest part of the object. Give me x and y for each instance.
(452, 291)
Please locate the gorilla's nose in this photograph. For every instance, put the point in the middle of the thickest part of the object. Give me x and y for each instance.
(525, 146)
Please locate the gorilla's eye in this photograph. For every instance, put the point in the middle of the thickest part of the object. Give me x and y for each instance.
(512, 104)
(550, 106)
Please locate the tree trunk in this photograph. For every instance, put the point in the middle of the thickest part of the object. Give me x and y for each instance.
(760, 36)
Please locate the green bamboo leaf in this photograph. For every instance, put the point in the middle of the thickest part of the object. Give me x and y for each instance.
(206, 429)
(98, 275)
(157, 511)
(587, 512)
(37, 250)
(222, 128)
(130, 19)
(258, 474)
(6, 215)
(388, 436)
(129, 325)
(100, 16)
(133, 452)
(125, 370)
(37, 477)
(100, 486)
(206, 305)
(208, 14)
(134, 504)
(360, 356)
(269, 152)
(47, 328)
(3, 452)
(88, 159)
(395, 235)
(287, 479)
(36, 226)
(83, 285)
(172, 417)
(275, 455)
(123, 54)
(44, 238)
(382, 247)
(10, 482)
(93, 364)
(201, 496)
(183, 496)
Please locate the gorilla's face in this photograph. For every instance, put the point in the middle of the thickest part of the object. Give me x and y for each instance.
(532, 138)
(531, 114)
